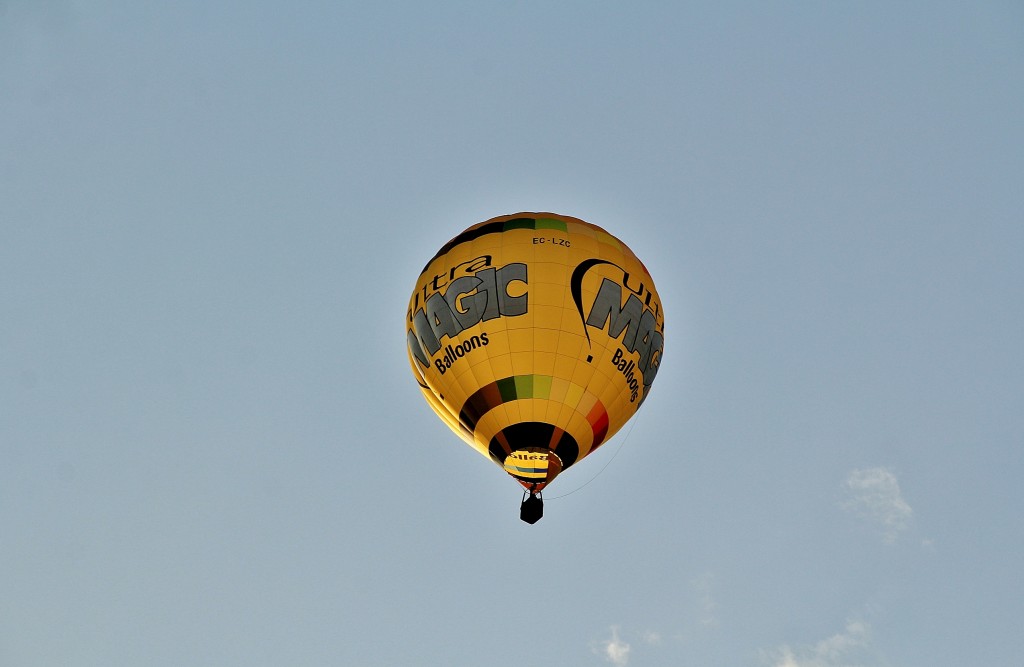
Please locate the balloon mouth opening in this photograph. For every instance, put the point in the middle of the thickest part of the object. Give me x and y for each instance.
(533, 453)
(533, 467)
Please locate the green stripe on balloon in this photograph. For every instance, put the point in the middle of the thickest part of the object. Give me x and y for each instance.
(517, 387)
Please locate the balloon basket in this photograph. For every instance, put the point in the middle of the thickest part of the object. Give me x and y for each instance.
(532, 508)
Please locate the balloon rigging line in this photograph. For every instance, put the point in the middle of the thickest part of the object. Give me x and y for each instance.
(632, 425)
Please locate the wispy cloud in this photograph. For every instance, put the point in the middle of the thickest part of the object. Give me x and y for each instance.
(652, 637)
(874, 495)
(618, 651)
(844, 649)
(704, 586)
(614, 650)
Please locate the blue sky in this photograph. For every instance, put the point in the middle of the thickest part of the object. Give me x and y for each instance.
(212, 451)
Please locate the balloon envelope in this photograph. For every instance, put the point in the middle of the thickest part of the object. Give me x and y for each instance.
(535, 337)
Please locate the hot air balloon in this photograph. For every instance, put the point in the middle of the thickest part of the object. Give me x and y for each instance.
(535, 337)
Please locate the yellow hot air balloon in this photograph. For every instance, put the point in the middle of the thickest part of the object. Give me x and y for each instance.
(535, 337)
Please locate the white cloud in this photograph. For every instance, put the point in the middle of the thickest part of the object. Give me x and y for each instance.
(614, 650)
(874, 495)
(839, 650)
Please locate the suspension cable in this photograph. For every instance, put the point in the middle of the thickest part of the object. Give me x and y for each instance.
(636, 418)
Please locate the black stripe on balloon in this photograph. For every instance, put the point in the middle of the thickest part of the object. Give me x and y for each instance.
(475, 233)
(535, 435)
